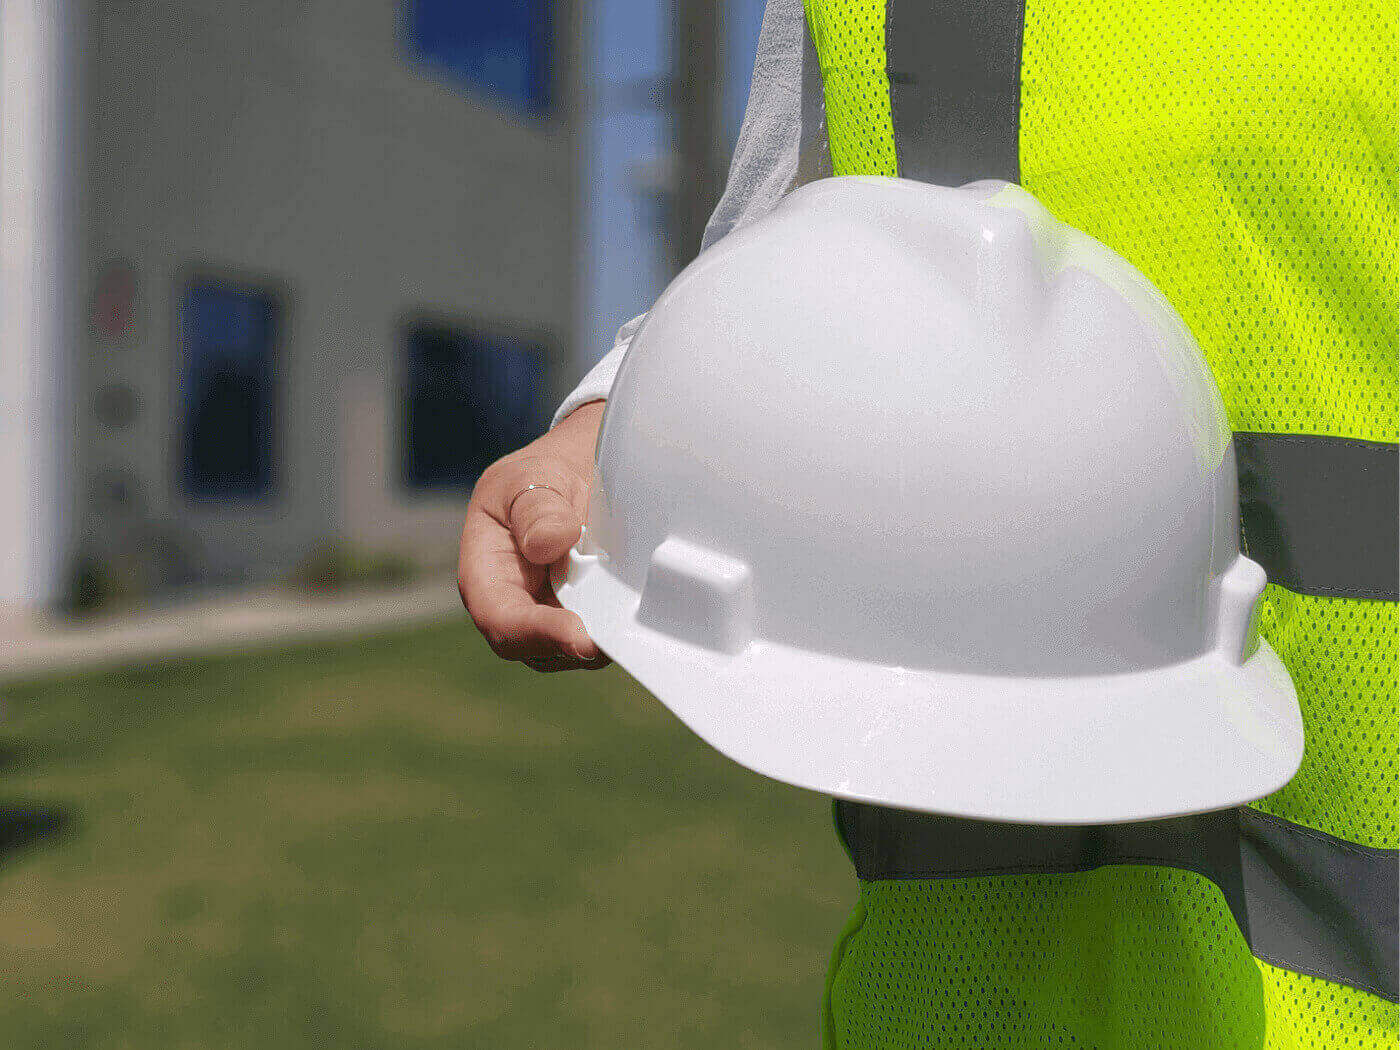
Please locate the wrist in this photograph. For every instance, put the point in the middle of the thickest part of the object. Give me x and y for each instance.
(589, 414)
(577, 433)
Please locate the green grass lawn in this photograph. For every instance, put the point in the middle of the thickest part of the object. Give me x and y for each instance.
(397, 842)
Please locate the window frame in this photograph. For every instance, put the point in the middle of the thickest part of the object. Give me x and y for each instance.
(543, 341)
(275, 292)
(544, 54)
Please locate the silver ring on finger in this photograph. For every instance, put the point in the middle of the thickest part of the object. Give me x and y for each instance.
(510, 507)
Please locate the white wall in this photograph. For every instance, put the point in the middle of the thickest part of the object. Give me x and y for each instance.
(295, 143)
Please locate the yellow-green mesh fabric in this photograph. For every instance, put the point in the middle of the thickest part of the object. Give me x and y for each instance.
(849, 36)
(1130, 957)
(1123, 958)
(1341, 655)
(1306, 1013)
(1243, 156)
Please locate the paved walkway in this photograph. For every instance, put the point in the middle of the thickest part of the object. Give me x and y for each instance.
(223, 623)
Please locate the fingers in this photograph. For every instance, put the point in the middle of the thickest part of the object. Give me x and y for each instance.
(508, 544)
(540, 499)
(535, 631)
(547, 665)
(545, 639)
(544, 524)
(552, 665)
(508, 600)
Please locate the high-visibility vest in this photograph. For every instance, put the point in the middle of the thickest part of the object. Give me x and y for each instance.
(1243, 155)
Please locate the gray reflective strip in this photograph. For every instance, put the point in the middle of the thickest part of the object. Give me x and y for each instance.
(1305, 901)
(1320, 513)
(955, 88)
(1320, 905)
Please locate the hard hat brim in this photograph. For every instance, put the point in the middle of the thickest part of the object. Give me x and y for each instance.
(1188, 738)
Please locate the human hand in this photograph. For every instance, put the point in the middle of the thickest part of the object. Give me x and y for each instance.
(512, 535)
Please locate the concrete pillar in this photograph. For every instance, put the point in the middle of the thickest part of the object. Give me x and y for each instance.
(697, 115)
(39, 293)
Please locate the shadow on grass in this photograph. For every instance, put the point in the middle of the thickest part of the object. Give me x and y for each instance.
(22, 756)
(24, 826)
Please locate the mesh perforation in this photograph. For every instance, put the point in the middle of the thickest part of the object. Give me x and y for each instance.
(1306, 1013)
(1342, 657)
(1121, 957)
(849, 36)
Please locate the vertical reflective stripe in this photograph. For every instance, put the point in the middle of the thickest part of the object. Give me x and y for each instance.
(955, 88)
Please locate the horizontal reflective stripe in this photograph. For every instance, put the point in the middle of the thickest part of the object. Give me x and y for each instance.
(1320, 513)
(1305, 901)
(955, 89)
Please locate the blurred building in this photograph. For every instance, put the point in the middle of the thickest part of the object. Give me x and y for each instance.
(303, 269)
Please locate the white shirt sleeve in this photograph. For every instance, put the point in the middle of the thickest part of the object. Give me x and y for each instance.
(595, 385)
(782, 143)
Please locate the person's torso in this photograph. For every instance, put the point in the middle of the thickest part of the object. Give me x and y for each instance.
(1243, 156)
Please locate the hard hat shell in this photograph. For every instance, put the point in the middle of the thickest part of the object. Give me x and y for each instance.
(917, 496)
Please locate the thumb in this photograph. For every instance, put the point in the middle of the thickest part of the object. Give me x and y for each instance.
(544, 525)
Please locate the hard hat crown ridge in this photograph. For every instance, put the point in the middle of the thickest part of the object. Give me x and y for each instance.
(900, 461)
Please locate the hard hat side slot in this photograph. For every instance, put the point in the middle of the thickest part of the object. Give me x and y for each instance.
(1237, 609)
(698, 596)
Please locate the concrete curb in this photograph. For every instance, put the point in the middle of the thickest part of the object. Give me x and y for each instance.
(32, 647)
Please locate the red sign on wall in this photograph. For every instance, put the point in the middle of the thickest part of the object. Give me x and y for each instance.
(114, 303)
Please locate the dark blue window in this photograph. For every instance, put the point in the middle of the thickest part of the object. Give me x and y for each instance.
(501, 48)
(469, 399)
(228, 336)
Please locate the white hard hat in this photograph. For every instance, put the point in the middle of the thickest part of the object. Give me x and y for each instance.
(917, 496)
